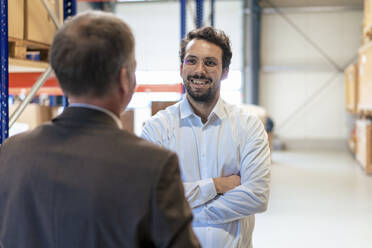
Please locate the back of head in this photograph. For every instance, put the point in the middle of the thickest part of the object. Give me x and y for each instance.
(89, 51)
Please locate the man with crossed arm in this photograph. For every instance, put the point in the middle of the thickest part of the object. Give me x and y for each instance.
(223, 150)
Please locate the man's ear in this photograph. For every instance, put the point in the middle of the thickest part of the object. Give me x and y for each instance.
(124, 84)
(225, 73)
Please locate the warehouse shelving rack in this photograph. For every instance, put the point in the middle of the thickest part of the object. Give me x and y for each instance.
(69, 9)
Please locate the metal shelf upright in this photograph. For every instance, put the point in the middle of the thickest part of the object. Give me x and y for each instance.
(4, 98)
(69, 9)
(183, 18)
(199, 13)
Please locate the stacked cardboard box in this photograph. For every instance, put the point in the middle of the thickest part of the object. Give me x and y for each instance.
(33, 115)
(156, 106)
(39, 27)
(16, 18)
(365, 64)
(29, 20)
(358, 93)
(31, 30)
(364, 144)
(127, 119)
(365, 79)
(351, 88)
(367, 18)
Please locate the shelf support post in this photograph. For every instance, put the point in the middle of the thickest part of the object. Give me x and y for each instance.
(251, 51)
(69, 9)
(199, 13)
(212, 12)
(183, 18)
(4, 76)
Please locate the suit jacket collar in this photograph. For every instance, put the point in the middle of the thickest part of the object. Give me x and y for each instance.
(108, 112)
(85, 117)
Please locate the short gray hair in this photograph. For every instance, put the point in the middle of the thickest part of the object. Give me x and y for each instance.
(89, 51)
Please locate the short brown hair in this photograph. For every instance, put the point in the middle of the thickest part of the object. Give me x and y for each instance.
(212, 35)
(89, 51)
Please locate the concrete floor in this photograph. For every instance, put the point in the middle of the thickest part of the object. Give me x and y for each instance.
(318, 199)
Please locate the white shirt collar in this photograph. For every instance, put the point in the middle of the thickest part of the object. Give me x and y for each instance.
(186, 109)
(106, 111)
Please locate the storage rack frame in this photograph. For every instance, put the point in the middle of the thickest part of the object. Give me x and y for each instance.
(69, 9)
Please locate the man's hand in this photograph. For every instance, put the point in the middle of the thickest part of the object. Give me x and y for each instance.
(224, 184)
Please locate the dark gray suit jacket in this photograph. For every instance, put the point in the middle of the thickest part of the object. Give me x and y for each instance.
(81, 182)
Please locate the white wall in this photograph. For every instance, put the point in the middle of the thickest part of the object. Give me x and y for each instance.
(156, 29)
(283, 92)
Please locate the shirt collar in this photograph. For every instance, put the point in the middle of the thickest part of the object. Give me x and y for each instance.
(187, 111)
(185, 108)
(219, 109)
(108, 112)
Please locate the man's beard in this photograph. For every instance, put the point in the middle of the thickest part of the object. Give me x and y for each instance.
(205, 97)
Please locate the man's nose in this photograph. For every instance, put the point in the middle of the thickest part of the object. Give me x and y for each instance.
(200, 68)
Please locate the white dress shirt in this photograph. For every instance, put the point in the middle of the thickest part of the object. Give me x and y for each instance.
(232, 141)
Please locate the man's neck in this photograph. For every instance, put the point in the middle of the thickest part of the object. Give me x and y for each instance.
(102, 103)
(202, 109)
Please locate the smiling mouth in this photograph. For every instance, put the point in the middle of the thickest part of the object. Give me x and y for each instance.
(198, 81)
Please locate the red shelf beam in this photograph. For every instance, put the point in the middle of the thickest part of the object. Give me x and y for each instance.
(21, 82)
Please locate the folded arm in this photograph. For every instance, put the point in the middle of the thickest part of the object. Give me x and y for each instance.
(197, 193)
(251, 196)
(203, 191)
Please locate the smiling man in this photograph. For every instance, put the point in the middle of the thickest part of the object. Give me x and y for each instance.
(223, 150)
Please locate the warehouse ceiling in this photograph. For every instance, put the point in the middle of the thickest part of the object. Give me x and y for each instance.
(310, 3)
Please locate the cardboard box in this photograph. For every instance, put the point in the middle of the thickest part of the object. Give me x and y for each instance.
(255, 109)
(367, 17)
(127, 119)
(352, 142)
(351, 88)
(364, 144)
(365, 78)
(16, 18)
(55, 111)
(157, 106)
(33, 115)
(39, 25)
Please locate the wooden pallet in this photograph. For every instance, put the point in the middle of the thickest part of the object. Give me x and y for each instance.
(367, 31)
(365, 39)
(364, 144)
(18, 49)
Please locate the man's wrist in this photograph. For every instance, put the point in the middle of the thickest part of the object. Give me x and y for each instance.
(216, 186)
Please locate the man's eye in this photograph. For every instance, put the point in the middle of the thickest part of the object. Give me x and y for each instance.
(190, 61)
(210, 63)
